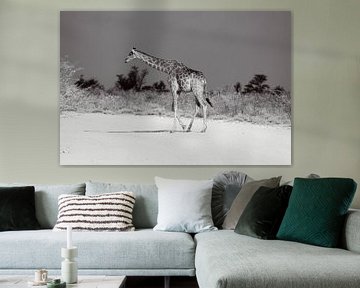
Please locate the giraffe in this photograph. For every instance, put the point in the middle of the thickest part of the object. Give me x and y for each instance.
(181, 79)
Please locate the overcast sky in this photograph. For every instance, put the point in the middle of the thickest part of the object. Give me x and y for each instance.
(226, 46)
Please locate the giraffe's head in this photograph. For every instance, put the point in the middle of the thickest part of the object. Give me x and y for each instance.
(131, 56)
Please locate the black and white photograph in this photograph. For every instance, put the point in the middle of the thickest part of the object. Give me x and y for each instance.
(175, 88)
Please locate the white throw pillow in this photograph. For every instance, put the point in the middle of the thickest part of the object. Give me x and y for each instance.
(184, 205)
(104, 212)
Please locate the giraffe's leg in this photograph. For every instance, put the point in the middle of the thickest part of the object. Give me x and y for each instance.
(175, 110)
(193, 118)
(204, 108)
(176, 117)
(201, 102)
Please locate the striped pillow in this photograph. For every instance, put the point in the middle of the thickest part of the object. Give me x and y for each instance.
(105, 212)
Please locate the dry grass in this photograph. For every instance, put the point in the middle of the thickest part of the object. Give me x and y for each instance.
(260, 109)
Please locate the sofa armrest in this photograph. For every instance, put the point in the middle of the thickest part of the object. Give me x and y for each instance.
(351, 233)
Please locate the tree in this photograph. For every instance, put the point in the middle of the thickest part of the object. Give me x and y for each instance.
(237, 87)
(278, 90)
(133, 76)
(159, 86)
(80, 82)
(257, 85)
(123, 83)
(140, 79)
(236, 99)
(90, 84)
(147, 88)
(135, 79)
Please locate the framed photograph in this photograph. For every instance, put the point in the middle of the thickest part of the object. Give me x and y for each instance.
(175, 88)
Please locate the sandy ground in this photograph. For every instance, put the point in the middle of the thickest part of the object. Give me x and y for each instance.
(102, 139)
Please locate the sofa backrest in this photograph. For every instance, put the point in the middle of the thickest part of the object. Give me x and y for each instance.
(46, 200)
(146, 203)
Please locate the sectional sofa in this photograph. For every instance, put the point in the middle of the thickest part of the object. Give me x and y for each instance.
(218, 258)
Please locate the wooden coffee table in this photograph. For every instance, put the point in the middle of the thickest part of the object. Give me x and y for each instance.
(83, 282)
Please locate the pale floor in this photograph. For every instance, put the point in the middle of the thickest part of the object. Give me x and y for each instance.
(158, 282)
(131, 282)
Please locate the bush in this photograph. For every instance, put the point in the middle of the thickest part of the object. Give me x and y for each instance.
(269, 107)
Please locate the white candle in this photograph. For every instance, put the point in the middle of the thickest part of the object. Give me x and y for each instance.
(69, 237)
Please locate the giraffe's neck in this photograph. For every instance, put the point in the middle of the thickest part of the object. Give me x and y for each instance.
(154, 62)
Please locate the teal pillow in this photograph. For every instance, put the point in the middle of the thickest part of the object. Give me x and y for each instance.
(316, 211)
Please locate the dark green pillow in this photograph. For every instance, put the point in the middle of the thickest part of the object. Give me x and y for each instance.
(17, 209)
(263, 214)
(316, 211)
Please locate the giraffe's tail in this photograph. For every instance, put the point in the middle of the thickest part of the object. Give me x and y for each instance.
(207, 98)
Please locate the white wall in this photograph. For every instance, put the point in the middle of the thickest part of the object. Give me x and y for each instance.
(326, 85)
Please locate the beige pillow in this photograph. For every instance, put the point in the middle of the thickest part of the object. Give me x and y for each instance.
(243, 198)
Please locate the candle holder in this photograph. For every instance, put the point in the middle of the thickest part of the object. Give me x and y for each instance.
(69, 271)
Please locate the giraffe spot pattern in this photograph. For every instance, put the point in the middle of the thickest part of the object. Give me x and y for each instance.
(181, 79)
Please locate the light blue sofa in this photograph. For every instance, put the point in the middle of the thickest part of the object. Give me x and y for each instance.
(226, 259)
(219, 259)
(143, 252)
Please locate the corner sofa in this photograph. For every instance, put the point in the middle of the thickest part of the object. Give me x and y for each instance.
(218, 259)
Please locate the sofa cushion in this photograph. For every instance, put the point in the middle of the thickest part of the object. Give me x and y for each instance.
(105, 212)
(184, 205)
(243, 198)
(225, 189)
(46, 200)
(263, 215)
(225, 259)
(317, 209)
(146, 205)
(17, 209)
(142, 249)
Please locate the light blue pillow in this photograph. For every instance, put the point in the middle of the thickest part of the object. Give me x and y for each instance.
(184, 205)
(146, 204)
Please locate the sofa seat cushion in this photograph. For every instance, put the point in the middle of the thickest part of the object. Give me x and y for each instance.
(226, 259)
(142, 249)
